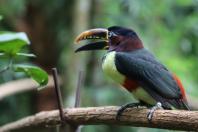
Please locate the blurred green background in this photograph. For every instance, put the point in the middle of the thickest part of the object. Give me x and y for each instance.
(168, 28)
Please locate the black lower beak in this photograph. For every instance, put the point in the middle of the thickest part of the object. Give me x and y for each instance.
(93, 46)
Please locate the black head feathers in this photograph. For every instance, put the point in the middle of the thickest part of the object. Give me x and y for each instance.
(122, 31)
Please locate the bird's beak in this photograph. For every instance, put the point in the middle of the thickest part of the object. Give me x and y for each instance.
(94, 34)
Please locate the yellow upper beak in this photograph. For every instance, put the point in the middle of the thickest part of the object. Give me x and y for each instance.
(97, 33)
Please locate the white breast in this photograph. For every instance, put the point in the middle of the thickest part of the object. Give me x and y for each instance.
(141, 94)
(109, 68)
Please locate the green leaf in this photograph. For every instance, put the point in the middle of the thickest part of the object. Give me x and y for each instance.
(26, 54)
(36, 73)
(11, 43)
(1, 17)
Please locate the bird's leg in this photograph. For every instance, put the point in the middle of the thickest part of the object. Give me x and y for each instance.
(152, 110)
(128, 105)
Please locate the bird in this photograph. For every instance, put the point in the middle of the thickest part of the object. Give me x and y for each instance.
(136, 69)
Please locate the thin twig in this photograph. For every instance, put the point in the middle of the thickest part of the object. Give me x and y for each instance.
(58, 94)
(78, 94)
(78, 89)
(77, 128)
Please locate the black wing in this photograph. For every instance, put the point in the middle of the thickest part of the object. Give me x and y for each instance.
(152, 75)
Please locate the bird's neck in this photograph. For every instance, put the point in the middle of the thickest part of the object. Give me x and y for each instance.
(130, 45)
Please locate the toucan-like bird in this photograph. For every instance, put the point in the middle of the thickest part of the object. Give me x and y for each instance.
(128, 63)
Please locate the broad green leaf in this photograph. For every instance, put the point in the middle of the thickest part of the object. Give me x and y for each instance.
(26, 54)
(1, 17)
(36, 73)
(11, 43)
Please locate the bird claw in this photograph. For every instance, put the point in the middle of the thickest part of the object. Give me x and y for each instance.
(152, 110)
(124, 107)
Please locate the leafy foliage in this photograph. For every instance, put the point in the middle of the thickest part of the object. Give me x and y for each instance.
(36, 73)
(11, 44)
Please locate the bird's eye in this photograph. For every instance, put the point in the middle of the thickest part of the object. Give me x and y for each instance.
(111, 34)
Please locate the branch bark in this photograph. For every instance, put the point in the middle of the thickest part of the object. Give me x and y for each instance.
(164, 119)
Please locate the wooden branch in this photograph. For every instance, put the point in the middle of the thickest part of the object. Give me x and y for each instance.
(21, 85)
(165, 119)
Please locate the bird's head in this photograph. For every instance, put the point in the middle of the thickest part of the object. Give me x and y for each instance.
(114, 38)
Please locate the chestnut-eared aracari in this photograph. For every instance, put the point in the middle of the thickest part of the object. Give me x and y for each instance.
(128, 63)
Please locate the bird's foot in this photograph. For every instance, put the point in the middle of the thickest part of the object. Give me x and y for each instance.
(124, 107)
(152, 110)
